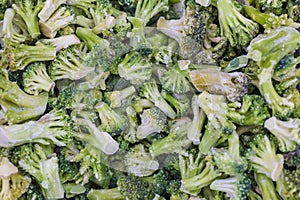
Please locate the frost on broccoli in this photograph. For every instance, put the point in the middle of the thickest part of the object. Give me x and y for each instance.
(16, 104)
(197, 172)
(44, 168)
(286, 132)
(267, 50)
(135, 68)
(13, 184)
(150, 91)
(53, 126)
(218, 125)
(233, 85)
(70, 64)
(36, 79)
(58, 20)
(153, 120)
(139, 162)
(263, 158)
(234, 26)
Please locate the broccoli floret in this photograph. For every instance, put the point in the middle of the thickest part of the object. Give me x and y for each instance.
(252, 111)
(91, 165)
(84, 5)
(233, 85)
(139, 162)
(196, 172)
(288, 184)
(180, 102)
(13, 184)
(90, 38)
(16, 104)
(33, 192)
(53, 126)
(267, 50)
(61, 42)
(286, 132)
(274, 6)
(269, 20)
(97, 138)
(189, 32)
(28, 10)
(150, 91)
(70, 64)
(229, 160)
(18, 56)
(135, 68)
(130, 134)
(234, 26)
(153, 120)
(174, 80)
(34, 160)
(135, 188)
(49, 8)
(58, 20)
(111, 120)
(286, 68)
(262, 157)
(145, 10)
(218, 125)
(115, 98)
(266, 187)
(176, 141)
(236, 188)
(195, 131)
(10, 35)
(105, 194)
(36, 79)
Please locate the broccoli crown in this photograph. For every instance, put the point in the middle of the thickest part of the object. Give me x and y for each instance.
(288, 184)
(135, 188)
(236, 187)
(263, 158)
(36, 79)
(153, 121)
(252, 111)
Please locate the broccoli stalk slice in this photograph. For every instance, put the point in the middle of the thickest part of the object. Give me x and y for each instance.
(233, 85)
(286, 132)
(215, 108)
(264, 158)
(61, 42)
(266, 186)
(70, 64)
(140, 163)
(196, 173)
(19, 56)
(135, 68)
(51, 126)
(111, 121)
(36, 79)
(9, 33)
(236, 187)
(105, 194)
(90, 38)
(150, 91)
(98, 139)
(234, 26)
(49, 8)
(116, 97)
(60, 19)
(199, 117)
(153, 121)
(28, 10)
(176, 141)
(16, 104)
(269, 20)
(44, 170)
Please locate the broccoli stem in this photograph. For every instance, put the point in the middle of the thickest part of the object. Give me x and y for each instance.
(90, 38)
(105, 194)
(266, 187)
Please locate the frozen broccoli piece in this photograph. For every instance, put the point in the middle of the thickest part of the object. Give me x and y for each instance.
(115, 98)
(49, 8)
(61, 42)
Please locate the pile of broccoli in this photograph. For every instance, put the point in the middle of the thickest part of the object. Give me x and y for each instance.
(149, 99)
